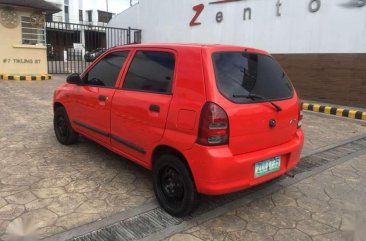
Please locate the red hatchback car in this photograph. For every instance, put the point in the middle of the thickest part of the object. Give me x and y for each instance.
(208, 119)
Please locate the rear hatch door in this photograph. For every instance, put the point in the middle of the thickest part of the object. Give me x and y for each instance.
(254, 122)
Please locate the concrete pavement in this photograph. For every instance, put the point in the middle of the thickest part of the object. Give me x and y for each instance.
(330, 206)
(47, 188)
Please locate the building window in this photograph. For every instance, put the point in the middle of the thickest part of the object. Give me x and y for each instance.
(90, 18)
(104, 17)
(32, 33)
(80, 15)
(67, 19)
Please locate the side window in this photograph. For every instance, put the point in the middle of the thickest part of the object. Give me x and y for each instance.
(151, 71)
(105, 72)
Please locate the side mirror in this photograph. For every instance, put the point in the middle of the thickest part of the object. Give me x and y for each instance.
(74, 79)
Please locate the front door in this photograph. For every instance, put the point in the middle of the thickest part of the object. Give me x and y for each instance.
(94, 98)
(140, 108)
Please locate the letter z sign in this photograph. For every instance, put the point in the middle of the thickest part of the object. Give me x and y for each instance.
(198, 8)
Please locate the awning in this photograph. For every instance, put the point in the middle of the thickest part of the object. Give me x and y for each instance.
(42, 5)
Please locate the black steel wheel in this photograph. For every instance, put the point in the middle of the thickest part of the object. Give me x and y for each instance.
(62, 127)
(173, 186)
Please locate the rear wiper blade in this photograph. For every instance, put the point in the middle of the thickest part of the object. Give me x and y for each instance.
(255, 96)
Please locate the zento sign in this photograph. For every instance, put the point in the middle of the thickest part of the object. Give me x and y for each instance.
(314, 6)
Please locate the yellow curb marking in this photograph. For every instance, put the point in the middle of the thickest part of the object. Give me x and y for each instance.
(327, 109)
(316, 108)
(26, 77)
(352, 114)
(339, 111)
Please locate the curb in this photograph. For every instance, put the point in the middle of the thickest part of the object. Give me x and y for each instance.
(25, 77)
(353, 114)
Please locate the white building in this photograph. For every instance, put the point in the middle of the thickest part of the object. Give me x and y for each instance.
(320, 43)
(279, 26)
(93, 12)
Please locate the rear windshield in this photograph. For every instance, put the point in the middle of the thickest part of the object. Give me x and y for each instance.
(239, 74)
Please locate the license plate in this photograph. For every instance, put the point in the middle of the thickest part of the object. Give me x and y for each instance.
(267, 166)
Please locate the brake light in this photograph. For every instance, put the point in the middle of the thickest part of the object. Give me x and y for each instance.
(299, 122)
(214, 126)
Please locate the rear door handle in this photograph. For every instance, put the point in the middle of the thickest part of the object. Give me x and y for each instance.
(102, 98)
(154, 108)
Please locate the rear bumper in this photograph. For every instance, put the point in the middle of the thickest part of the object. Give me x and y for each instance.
(217, 171)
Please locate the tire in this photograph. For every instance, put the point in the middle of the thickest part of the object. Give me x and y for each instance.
(62, 127)
(174, 186)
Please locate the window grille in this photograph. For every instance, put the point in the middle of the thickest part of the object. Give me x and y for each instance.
(32, 33)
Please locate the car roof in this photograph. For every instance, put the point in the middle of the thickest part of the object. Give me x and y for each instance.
(211, 47)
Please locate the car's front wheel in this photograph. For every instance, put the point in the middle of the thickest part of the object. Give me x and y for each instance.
(173, 186)
(62, 127)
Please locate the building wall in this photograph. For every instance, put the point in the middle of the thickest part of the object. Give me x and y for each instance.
(335, 28)
(332, 78)
(131, 18)
(17, 58)
(324, 51)
(74, 10)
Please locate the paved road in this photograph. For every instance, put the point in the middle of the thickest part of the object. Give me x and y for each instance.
(53, 188)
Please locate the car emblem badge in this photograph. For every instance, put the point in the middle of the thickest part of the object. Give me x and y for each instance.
(272, 123)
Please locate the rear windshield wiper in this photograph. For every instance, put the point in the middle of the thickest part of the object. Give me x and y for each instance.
(255, 96)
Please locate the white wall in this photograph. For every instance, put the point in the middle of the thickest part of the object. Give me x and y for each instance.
(129, 18)
(74, 11)
(114, 6)
(333, 29)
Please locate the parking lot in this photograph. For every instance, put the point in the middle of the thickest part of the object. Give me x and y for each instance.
(54, 188)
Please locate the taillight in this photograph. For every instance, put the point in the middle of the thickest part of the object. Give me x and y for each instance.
(214, 126)
(299, 122)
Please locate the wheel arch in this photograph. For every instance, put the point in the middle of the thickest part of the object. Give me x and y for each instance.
(57, 105)
(165, 149)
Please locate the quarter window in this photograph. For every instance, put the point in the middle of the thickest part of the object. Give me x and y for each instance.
(105, 72)
(151, 71)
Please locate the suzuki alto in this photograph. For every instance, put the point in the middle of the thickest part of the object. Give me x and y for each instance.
(206, 119)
